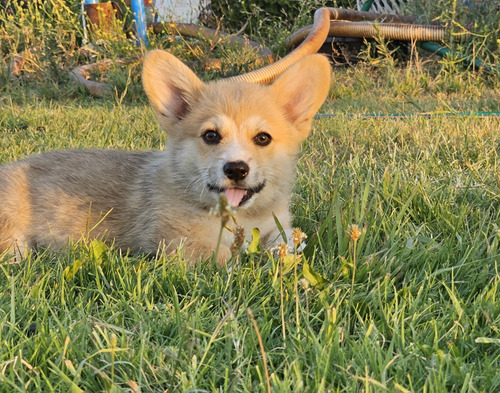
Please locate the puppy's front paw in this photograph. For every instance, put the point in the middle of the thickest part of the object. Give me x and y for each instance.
(196, 252)
(223, 255)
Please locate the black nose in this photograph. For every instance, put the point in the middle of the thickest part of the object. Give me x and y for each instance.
(236, 170)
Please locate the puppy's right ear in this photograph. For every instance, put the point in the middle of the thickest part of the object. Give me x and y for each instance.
(170, 86)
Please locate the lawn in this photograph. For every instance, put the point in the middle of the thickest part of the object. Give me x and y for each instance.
(397, 289)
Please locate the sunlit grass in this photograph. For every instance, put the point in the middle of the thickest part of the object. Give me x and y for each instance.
(411, 305)
(397, 289)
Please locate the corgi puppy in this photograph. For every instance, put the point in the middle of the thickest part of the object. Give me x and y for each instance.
(237, 139)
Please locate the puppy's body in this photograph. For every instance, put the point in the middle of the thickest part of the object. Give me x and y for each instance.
(237, 139)
(126, 196)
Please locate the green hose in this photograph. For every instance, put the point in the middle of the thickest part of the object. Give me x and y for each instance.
(367, 5)
(407, 115)
(442, 51)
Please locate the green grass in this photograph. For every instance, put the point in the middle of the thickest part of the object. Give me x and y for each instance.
(411, 306)
(420, 314)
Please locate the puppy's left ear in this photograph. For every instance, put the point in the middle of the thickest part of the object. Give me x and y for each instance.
(302, 89)
(170, 85)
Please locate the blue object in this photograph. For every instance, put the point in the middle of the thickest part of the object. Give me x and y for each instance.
(91, 1)
(138, 10)
(406, 115)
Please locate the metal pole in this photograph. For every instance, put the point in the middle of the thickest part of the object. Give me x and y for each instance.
(139, 12)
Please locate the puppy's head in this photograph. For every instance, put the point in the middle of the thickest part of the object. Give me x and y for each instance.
(240, 139)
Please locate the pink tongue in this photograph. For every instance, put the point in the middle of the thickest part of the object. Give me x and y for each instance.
(234, 196)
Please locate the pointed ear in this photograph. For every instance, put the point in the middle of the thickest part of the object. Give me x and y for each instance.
(302, 89)
(170, 86)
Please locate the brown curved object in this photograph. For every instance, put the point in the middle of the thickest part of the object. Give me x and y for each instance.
(81, 75)
(403, 32)
(394, 31)
(312, 38)
(310, 45)
(192, 30)
(353, 15)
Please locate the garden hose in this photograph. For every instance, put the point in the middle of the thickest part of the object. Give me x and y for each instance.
(367, 5)
(197, 31)
(442, 51)
(310, 45)
(313, 37)
(407, 115)
(402, 32)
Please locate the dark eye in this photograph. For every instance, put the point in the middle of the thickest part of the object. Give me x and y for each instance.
(262, 139)
(211, 137)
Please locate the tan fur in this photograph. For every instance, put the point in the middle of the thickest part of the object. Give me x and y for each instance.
(140, 200)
